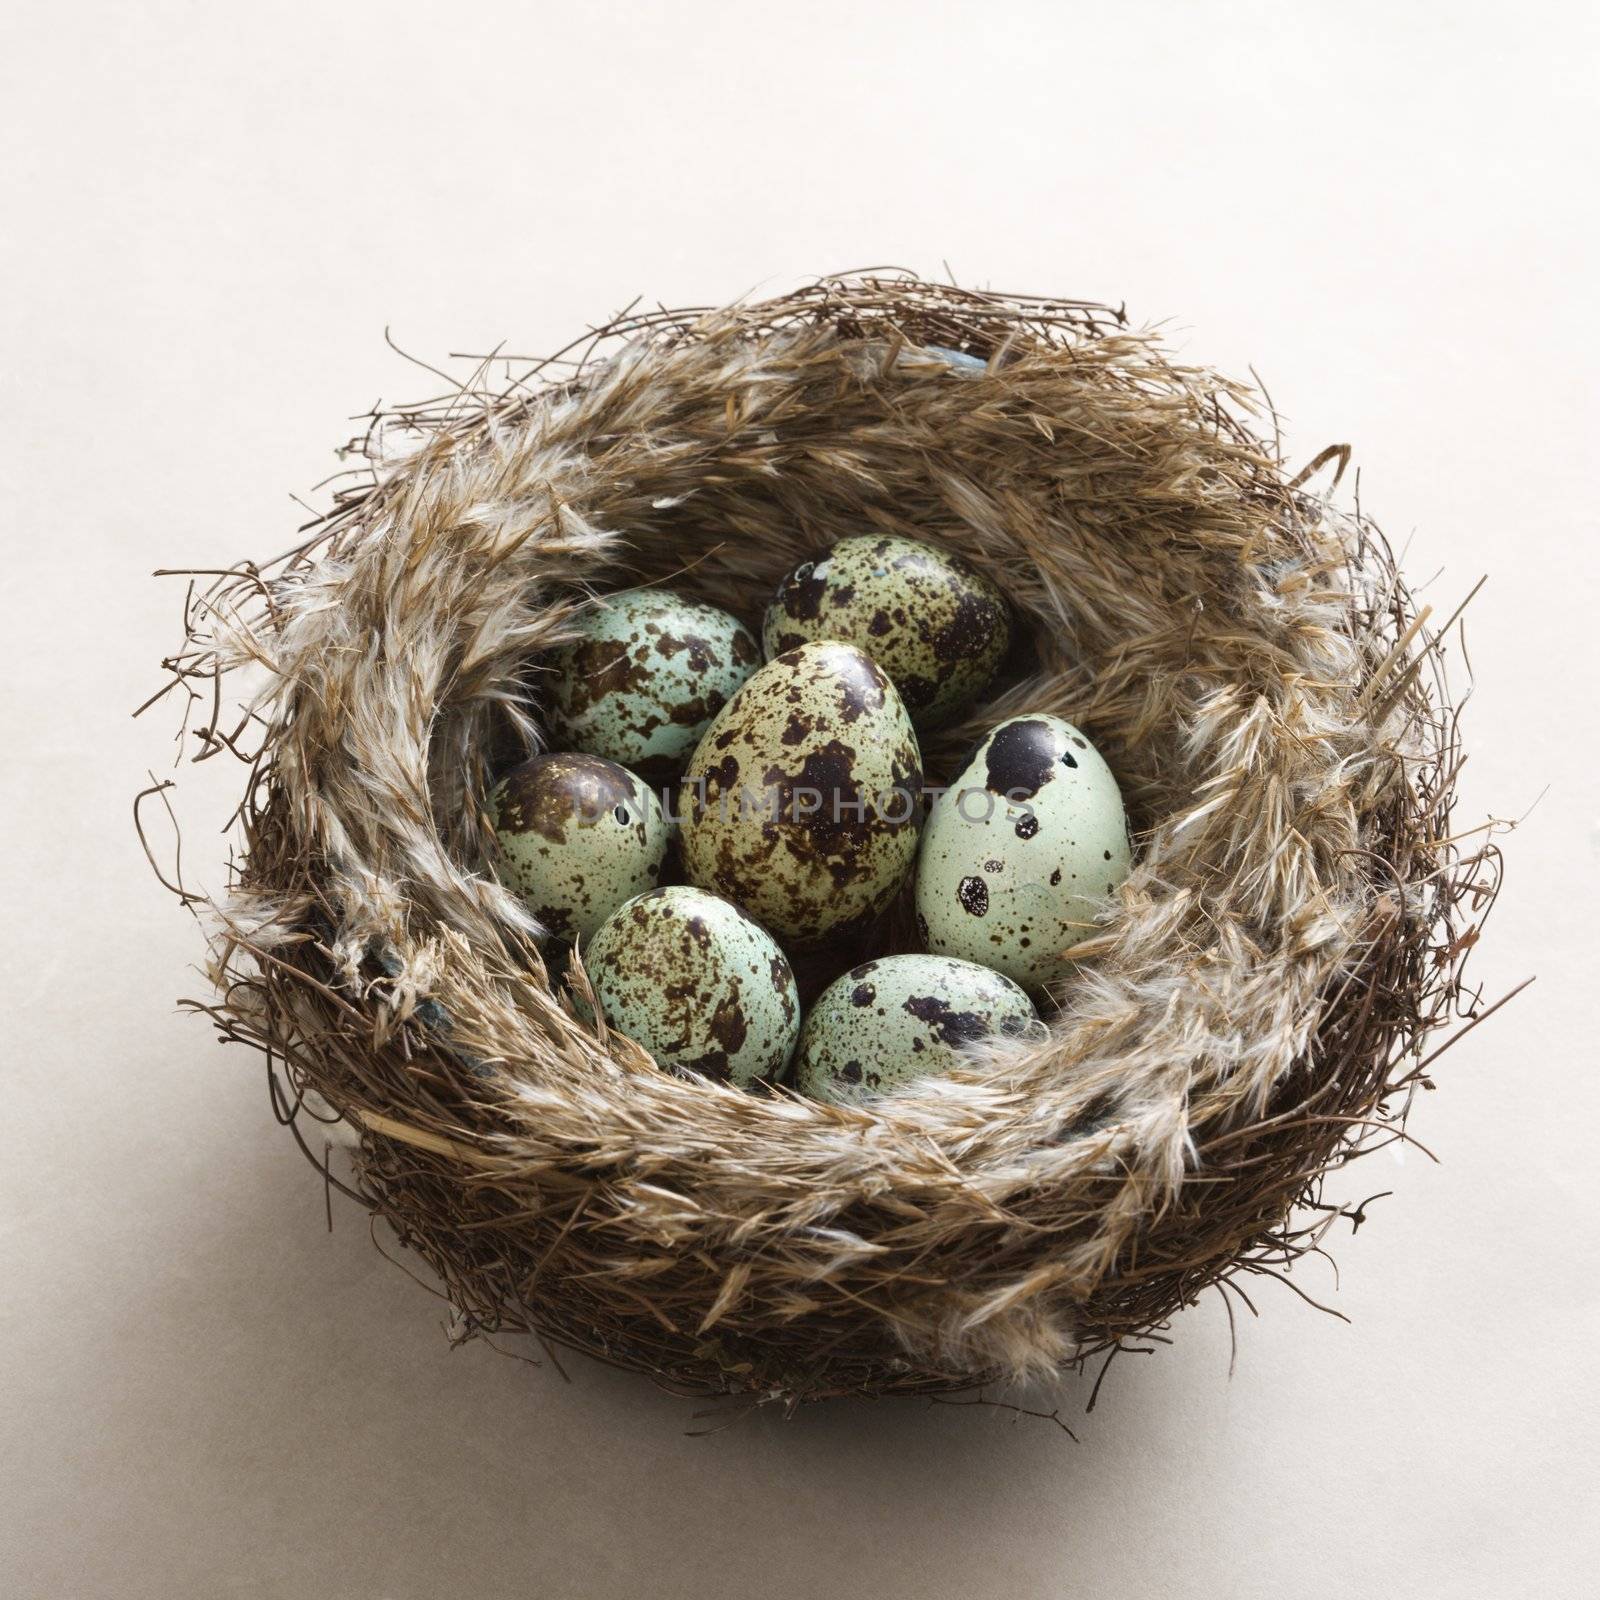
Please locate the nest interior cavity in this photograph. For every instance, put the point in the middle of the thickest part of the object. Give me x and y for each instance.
(1251, 1014)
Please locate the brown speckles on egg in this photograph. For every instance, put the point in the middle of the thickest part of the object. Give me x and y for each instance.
(702, 652)
(673, 970)
(923, 1013)
(937, 626)
(547, 793)
(863, 694)
(577, 836)
(729, 1027)
(972, 627)
(801, 804)
(650, 671)
(1020, 758)
(1058, 833)
(720, 777)
(596, 668)
(947, 1024)
(698, 711)
(556, 920)
(784, 984)
(973, 893)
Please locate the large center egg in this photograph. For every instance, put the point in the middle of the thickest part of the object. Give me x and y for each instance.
(643, 681)
(1022, 853)
(577, 837)
(801, 803)
(698, 984)
(934, 623)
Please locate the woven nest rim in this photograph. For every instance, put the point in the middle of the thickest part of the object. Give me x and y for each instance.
(1256, 1010)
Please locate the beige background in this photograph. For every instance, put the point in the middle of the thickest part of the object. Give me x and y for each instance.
(211, 213)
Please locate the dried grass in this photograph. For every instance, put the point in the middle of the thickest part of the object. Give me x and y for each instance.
(1256, 1009)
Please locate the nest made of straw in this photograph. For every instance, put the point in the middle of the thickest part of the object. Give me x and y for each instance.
(1251, 1015)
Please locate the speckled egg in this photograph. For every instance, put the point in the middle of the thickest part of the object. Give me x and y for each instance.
(649, 673)
(696, 983)
(937, 626)
(578, 836)
(1023, 851)
(888, 1021)
(801, 804)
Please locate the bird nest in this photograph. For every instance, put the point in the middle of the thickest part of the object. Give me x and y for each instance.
(1251, 1014)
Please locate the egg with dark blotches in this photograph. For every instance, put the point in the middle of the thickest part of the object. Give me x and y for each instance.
(577, 836)
(645, 678)
(889, 1021)
(1023, 852)
(698, 984)
(935, 624)
(802, 803)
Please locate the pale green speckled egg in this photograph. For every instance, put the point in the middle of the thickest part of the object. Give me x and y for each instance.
(642, 684)
(801, 804)
(889, 1021)
(1023, 851)
(699, 985)
(578, 836)
(935, 624)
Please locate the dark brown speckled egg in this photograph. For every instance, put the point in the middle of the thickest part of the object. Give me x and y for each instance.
(802, 803)
(696, 983)
(642, 684)
(936, 625)
(577, 836)
(889, 1021)
(1024, 852)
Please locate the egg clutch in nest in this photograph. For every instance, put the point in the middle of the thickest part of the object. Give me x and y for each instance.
(875, 842)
